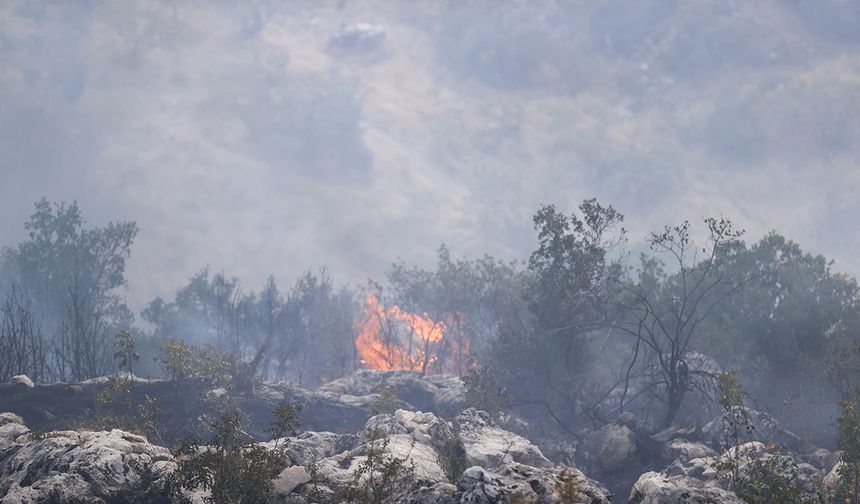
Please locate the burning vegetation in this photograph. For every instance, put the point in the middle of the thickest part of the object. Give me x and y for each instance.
(577, 344)
(390, 338)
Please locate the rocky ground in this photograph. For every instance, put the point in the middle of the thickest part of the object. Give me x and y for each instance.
(458, 456)
(468, 459)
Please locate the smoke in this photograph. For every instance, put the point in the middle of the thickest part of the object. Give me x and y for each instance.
(275, 137)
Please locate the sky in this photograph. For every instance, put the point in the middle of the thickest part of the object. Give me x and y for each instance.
(273, 137)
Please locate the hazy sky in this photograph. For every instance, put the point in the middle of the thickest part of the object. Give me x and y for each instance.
(259, 137)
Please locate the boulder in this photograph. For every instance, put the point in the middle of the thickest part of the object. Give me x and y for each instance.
(656, 488)
(783, 464)
(309, 447)
(767, 430)
(437, 493)
(289, 479)
(23, 381)
(612, 446)
(687, 432)
(117, 466)
(442, 394)
(823, 458)
(63, 487)
(86, 467)
(518, 483)
(11, 426)
(343, 405)
(421, 457)
(833, 479)
(684, 450)
(487, 445)
(217, 396)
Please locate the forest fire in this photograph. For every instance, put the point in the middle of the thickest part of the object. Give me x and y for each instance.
(389, 338)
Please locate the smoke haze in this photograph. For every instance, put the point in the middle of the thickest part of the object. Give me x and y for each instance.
(279, 136)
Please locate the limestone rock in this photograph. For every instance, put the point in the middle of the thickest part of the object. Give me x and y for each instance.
(487, 445)
(656, 488)
(685, 450)
(612, 446)
(23, 381)
(289, 479)
(443, 394)
(767, 430)
(114, 465)
(832, 480)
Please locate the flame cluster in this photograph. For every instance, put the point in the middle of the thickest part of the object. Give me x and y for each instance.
(389, 338)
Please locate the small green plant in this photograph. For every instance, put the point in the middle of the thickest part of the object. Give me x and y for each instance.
(483, 391)
(380, 478)
(244, 375)
(176, 358)
(450, 453)
(115, 404)
(569, 487)
(385, 401)
(125, 351)
(848, 441)
(771, 479)
(116, 396)
(286, 422)
(233, 467)
(316, 493)
(147, 418)
(183, 362)
(737, 426)
(754, 477)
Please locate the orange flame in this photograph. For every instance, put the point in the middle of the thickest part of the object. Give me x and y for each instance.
(390, 338)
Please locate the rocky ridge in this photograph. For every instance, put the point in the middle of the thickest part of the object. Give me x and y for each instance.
(468, 459)
(457, 456)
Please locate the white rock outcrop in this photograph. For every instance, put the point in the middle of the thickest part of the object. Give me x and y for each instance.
(488, 445)
(84, 466)
(656, 488)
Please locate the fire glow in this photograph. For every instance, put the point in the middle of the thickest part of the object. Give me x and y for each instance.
(389, 338)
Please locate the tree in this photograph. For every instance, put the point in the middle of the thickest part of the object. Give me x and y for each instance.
(544, 353)
(73, 275)
(23, 348)
(468, 297)
(793, 332)
(663, 314)
(269, 317)
(318, 330)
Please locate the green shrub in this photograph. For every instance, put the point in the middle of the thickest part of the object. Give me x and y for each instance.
(380, 478)
(483, 391)
(765, 479)
(115, 404)
(848, 441)
(125, 351)
(182, 361)
(569, 487)
(385, 401)
(737, 426)
(286, 422)
(244, 375)
(771, 479)
(233, 467)
(451, 454)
